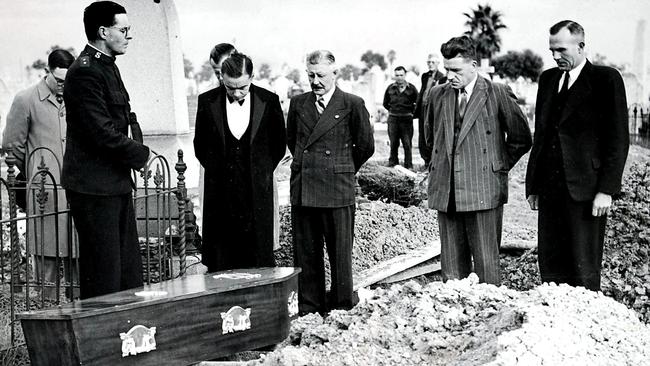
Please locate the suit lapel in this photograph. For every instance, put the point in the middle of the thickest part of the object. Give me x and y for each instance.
(474, 106)
(257, 111)
(332, 115)
(549, 94)
(309, 114)
(218, 106)
(577, 93)
(448, 109)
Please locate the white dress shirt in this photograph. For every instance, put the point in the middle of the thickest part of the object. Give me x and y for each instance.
(573, 75)
(238, 116)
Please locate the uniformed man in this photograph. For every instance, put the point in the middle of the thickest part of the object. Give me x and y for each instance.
(99, 156)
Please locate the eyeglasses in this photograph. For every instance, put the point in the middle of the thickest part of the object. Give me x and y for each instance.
(124, 30)
(58, 81)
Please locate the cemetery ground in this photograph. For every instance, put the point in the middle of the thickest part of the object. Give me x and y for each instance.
(424, 321)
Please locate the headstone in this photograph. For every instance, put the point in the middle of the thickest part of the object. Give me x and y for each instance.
(485, 68)
(152, 68)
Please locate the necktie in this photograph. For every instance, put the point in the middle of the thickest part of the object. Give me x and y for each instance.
(59, 98)
(463, 103)
(320, 105)
(565, 84)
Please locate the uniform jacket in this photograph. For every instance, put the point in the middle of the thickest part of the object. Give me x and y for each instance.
(493, 136)
(35, 121)
(267, 147)
(99, 154)
(593, 131)
(327, 151)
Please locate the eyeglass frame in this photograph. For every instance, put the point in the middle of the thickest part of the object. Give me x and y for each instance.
(124, 30)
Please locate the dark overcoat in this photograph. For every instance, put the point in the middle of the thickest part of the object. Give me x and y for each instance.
(267, 147)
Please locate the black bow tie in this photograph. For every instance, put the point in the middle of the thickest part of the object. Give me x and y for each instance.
(232, 100)
(59, 98)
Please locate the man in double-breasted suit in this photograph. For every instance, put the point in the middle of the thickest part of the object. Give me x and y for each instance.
(577, 160)
(476, 132)
(429, 79)
(239, 139)
(330, 137)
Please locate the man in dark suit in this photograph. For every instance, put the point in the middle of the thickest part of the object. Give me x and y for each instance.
(239, 140)
(330, 137)
(99, 156)
(476, 133)
(577, 160)
(430, 79)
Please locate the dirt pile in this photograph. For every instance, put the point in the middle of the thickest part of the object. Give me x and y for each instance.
(379, 182)
(466, 323)
(626, 257)
(381, 231)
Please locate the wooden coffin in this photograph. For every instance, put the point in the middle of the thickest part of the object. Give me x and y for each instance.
(176, 322)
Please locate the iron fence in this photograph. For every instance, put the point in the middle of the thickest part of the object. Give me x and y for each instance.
(161, 212)
(639, 124)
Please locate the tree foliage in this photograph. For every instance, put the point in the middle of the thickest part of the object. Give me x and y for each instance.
(602, 60)
(371, 59)
(350, 72)
(264, 71)
(294, 75)
(514, 64)
(484, 25)
(188, 68)
(206, 72)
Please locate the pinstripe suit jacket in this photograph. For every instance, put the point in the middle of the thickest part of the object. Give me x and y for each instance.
(327, 151)
(493, 136)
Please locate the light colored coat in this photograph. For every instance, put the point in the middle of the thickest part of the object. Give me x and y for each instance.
(37, 120)
(494, 134)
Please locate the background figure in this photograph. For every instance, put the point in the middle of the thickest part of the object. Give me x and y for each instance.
(239, 139)
(430, 79)
(37, 119)
(476, 133)
(330, 137)
(577, 160)
(399, 100)
(99, 156)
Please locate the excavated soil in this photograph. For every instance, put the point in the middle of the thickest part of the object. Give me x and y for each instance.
(466, 323)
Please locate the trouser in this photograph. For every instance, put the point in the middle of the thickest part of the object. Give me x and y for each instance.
(400, 129)
(109, 253)
(570, 240)
(310, 226)
(425, 152)
(467, 235)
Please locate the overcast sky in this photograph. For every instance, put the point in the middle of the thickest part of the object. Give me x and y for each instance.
(278, 31)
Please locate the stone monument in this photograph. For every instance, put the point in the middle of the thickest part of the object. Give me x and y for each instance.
(152, 68)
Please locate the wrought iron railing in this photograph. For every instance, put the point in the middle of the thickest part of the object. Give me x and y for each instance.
(160, 213)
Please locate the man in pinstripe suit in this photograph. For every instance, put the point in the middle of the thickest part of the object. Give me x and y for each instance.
(330, 137)
(476, 132)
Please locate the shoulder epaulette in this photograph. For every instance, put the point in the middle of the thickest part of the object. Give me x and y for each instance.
(84, 61)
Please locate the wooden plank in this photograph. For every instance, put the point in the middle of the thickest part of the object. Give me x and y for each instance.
(395, 265)
(432, 265)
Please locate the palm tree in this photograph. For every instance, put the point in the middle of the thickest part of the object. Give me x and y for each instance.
(484, 24)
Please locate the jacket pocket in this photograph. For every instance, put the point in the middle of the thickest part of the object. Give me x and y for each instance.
(595, 162)
(499, 166)
(343, 168)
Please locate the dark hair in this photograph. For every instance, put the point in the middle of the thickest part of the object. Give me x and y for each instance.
(398, 68)
(100, 14)
(236, 65)
(59, 58)
(220, 51)
(573, 27)
(318, 56)
(463, 46)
